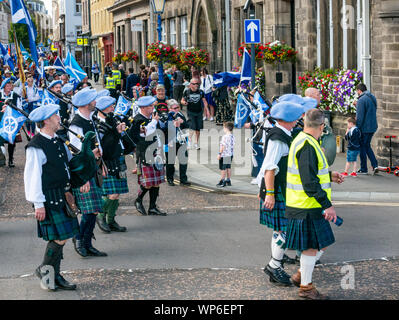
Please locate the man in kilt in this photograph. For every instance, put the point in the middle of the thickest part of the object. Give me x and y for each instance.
(309, 207)
(273, 186)
(115, 183)
(46, 180)
(89, 196)
(150, 166)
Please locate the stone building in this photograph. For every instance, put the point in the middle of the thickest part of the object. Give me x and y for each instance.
(102, 36)
(42, 18)
(5, 21)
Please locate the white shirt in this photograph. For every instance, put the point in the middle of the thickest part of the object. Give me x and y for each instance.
(74, 140)
(32, 94)
(206, 85)
(275, 151)
(35, 159)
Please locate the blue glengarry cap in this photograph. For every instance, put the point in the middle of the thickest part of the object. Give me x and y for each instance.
(105, 102)
(287, 111)
(145, 101)
(43, 112)
(84, 97)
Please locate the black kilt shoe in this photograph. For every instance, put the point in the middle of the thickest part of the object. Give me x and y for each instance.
(102, 224)
(63, 284)
(278, 276)
(114, 226)
(156, 212)
(79, 248)
(139, 206)
(93, 252)
(40, 274)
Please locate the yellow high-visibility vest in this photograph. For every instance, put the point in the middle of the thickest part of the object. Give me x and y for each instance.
(296, 196)
(110, 83)
(116, 74)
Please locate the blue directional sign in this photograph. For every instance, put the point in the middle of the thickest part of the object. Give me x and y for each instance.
(252, 31)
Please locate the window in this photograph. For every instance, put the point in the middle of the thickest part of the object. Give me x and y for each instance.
(78, 31)
(163, 38)
(78, 6)
(172, 31)
(183, 32)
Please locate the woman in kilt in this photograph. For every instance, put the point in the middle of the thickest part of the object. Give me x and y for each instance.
(89, 196)
(224, 111)
(115, 183)
(150, 173)
(309, 207)
(273, 185)
(46, 180)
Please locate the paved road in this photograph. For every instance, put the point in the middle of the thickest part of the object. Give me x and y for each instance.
(211, 246)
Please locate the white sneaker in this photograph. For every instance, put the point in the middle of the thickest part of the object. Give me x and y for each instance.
(211, 119)
(204, 119)
(196, 147)
(254, 181)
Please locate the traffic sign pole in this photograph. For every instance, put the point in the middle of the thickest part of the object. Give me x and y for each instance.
(252, 36)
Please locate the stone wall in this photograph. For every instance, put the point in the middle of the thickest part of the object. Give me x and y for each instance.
(385, 75)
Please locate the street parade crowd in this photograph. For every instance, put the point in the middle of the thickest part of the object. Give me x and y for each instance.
(75, 167)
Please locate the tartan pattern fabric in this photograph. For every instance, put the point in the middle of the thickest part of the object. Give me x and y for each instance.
(303, 234)
(90, 202)
(275, 218)
(149, 177)
(113, 185)
(57, 226)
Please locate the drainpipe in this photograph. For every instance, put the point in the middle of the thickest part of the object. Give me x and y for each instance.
(366, 43)
(228, 35)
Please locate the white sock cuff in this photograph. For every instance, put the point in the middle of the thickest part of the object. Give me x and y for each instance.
(319, 254)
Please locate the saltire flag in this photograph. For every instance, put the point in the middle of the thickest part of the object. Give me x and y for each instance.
(246, 67)
(20, 14)
(122, 106)
(73, 68)
(25, 53)
(262, 107)
(6, 56)
(230, 79)
(48, 98)
(11, 123)
(59, 65)
(242, 111)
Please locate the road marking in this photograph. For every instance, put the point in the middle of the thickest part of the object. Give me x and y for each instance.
(366, 203)
(223, 207)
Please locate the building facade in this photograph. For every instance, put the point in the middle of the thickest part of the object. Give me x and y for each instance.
(70, 28)
(42, 19)
(5, 21)
(102, 35)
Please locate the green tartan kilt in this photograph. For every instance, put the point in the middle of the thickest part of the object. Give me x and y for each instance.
(275, 218)
(303, 234)
(90, 202)
(113, 185)
(57, 226)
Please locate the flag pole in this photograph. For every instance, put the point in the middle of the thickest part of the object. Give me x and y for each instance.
(19, 63)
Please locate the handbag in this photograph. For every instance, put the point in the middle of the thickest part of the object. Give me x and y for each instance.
(18, 138)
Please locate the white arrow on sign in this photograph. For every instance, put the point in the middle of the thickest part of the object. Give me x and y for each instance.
(252, 27)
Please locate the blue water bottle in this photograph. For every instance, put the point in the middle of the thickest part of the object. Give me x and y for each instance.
(339, 221)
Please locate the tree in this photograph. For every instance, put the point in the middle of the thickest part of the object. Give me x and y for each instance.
(21, 31)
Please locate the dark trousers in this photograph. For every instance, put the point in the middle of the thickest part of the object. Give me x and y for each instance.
(11, 149)
(178, 92)
(170, 163)
(366, 151)
(96, 76)
(30, 125)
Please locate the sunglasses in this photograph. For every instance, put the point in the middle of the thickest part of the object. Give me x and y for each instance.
(195, 83)
(175, 108)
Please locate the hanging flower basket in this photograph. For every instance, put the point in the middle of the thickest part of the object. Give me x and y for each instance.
(195, 57)
(132, 55)
(118, 57)
(259, 51)
(271, 53)
(160, 52)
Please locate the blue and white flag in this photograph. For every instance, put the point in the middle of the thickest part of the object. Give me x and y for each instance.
(59, 65)
(6, 57)
(48, 98)
(242, 111)
(73, 68)
(246, 67)
(20, 14)
(230, 79)
(24, 53)
(257, 114)
(10, 124)
(122, 106)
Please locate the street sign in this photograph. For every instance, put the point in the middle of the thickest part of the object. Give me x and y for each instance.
(86, 41)
(80, 41)
(137, 25)
(252, 31)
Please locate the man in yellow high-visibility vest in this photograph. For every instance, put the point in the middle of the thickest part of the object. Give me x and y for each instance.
(308, 198)
(116, 74)
(110, 84)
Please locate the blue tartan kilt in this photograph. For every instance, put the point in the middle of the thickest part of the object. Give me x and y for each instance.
(113, 185)
(275, 218)
(90, 202)
(57, 226)
(303, 234)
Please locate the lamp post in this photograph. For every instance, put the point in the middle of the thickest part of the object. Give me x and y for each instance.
(158, 7)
